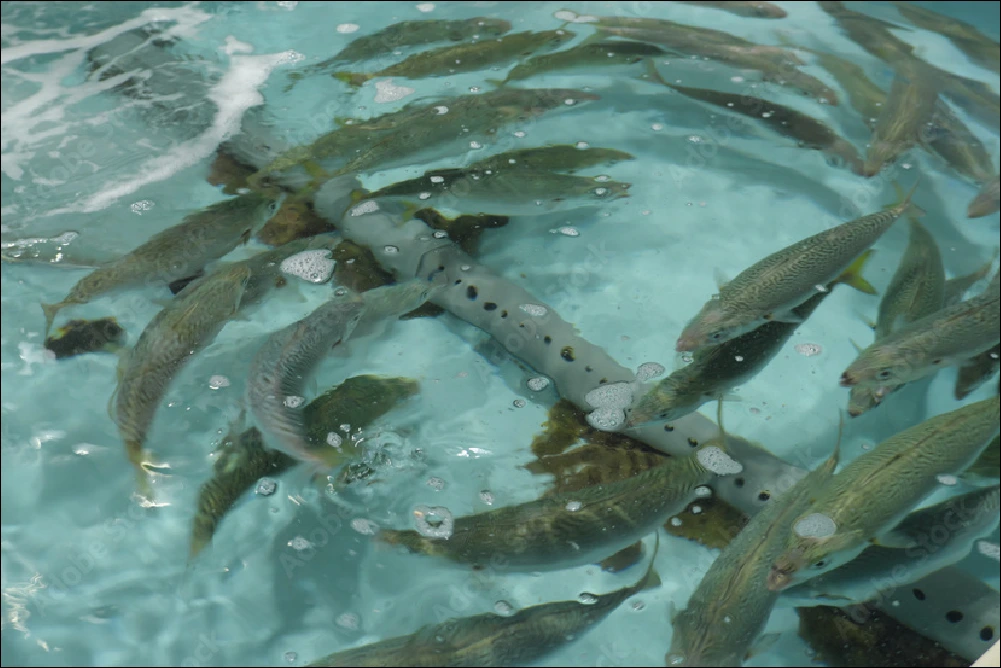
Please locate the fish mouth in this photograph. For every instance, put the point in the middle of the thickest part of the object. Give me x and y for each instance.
(779, 579)
(847, 380)
(686, 344)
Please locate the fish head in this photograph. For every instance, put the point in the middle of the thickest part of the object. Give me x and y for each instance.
(713, 325)
(783, 569)
(880, 154)
(862, 399)
(881, 369)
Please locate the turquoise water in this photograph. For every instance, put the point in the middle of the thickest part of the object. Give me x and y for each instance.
(91, 577)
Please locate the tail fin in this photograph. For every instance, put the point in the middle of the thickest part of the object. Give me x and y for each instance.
(904, 203)
(654, 73)
(50, 311)
(353, 79)
(853, 274)
(650, 579)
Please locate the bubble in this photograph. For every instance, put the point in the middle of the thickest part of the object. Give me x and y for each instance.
(217, 381)
(695, 139)
(348, 620)
(472, 89)
(947, 479)
(346, 28)
(645, 212)
(606, 419)
(657, 126)
(815, 525)
(602, 178)
(582, 144)
(441, 110)
(141, 206)
(534, 309)
(287, 4)
(334, 439)
(440, 234)
(425, 7)
(574, 506)
(569, 101)
(387, 92)
(611, 395)
(808, 349)
(436, 483)
(390, 249)
(364, 526)
(519, 134)
(649, 370)
(566, 231)
(437, 179)
(292, 401)
(345, 427)
(266, 487)
(314, 266)
(989, 550)
(717, 461)
(424, 195)
(538, 384)
(291, 657)
(367, 206)
(600, 191)
(503, 608)
(299, 544)
(433, 521)
(820, 288)
(736, 79)
(676, 521)
(519, 403)
(696, 510)
(565, 15)
(702, 492)
(487, 497)
(768, 114)
(587, 598)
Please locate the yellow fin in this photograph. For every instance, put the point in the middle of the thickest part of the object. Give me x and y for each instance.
(354, 79)
(50, 311)
(852, 276)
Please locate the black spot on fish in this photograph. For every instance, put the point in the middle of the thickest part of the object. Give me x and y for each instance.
(987, 633)
(954, 616)
(458, 281)
(472, 293)
(764, 496)
(547, 339)
(567, 353)
(738, 482)
(490, 306)
(918, 594)
(693, 442)
(668, 428)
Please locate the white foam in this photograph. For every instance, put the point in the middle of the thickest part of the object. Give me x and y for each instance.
(606, 419)
(718, 461)
(346, 28)
(611, 395)
(385, 91)
(368, 206)
(649, 370)
(315, 266)
(815, 525)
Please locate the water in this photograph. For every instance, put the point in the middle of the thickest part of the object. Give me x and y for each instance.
(91, 577)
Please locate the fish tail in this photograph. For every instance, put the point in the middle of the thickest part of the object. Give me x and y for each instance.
(853, 274)
(353, 79)
(651, 579)
(654, 73)
(905, 203)
(50, 311)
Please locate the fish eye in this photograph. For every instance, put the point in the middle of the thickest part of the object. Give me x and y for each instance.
(885, 374)
(716, 336)
(820, 564)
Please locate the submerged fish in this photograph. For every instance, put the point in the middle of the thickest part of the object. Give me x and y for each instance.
(810, 132)
(865, 97)
(175, 334)
(465, 57)
(903, 121)
(944, 338)
(874, 492)
(916, 290)
(575, 528)
(746, 8)
(177, 252)
(927, 540)
(392, 301)
(587, 54)
(490, 639)
(554, 158)
(716, 369)
(729, 608)
(86, 336)
(953, 142)
(974, 372)
(987, 201)
(975, 45)
(772, 287)
(281, 368)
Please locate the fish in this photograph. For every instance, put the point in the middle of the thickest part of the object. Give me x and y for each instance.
(903, 121)
(922, 347)
(490, 639)
(508, 186)
(178, 252)
(569, 529)
(864, 96)
(729, 608)
(916, 290)
(957, 145)
(870, 33)
(955, 288)
(280, 370)
(988, 464)
(769, 290)
(716, 369)
(786, 121)
(875, 491)
(987, 201)
(976, 371)
(748, 9)
(410, 33)
(178, 332)
(553, 158)
(392, 301)
(466, 57)
(588, 54)
(975, 45)
(86, 336)
(927, 540)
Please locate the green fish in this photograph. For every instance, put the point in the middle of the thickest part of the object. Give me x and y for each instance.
(178, 332)
(953, 142)
(788, 122)
(729, 608)
(870, 33)
(956, 288)
(466, 57)
(588, 54)
(555, 158)
(716, 369)
(975, 45)
(987, 201)
(974, 372)
(874, 492)
(265, 268)
(86, 336)
(865, 97)
(575, 528)
(490, 639)
(904, 119)
(916, 290)
(746, 8)
(772, 287)
(177, 252)
(944, 338)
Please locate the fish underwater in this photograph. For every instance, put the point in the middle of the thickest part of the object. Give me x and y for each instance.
(174, 335)
(769, 290)
(946, 337)
(899, 472)
(588, 54)
(553, 158)
(77, 337)
(490, 639)
(746, 8)
(729, 607)
(177, 252)
(987, 201)
(903, 121)
(716, 369)
(976, 46)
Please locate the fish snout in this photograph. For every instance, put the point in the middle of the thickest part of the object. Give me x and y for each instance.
(686, 344)
(778, 578)
(847, 380)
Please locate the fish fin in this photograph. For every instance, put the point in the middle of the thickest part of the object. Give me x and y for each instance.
(651, 579)
(905, 204)
(852, 276)
(762, 645)
(498, 83)
(353, 79)
(50, 311)
(720, 278)
(786, 316)
(835, 457)
(856, 346)
(894, 539)
(672, 612)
